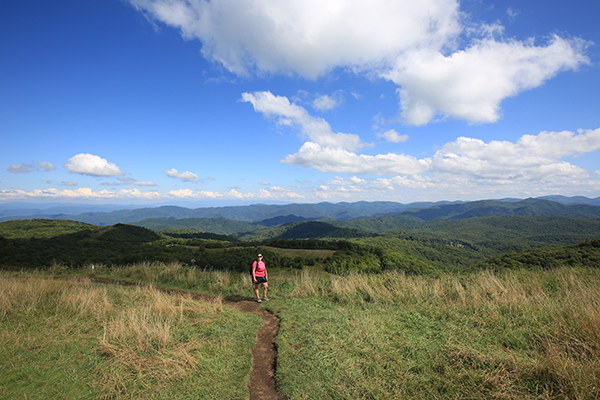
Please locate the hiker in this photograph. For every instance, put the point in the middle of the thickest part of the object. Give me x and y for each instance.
(259, 277)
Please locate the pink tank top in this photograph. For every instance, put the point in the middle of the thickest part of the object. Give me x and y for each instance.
(260, 270)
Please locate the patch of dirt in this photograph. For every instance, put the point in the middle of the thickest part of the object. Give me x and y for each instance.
(262, 384)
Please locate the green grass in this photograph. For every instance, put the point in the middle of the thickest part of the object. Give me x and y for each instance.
(525, 335)
(521, 334)
(76, 340)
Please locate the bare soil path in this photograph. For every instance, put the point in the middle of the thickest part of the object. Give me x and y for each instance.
(262, 384)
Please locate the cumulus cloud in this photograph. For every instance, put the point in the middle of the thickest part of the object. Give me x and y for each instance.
(338, 160)
(32, 167)
(89, 164)
(186, 176)
(470, 84)
(532, 157)
(413, 44)
(393, 136)
(289, 114)
(307, 37)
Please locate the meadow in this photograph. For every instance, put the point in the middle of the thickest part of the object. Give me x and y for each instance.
(516, 334)
(72, 339)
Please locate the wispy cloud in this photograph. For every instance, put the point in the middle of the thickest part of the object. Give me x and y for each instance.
(132, 181)
(274, 193)
(289, 114)
(512, 14)
(393, 136)
(186, 176)
(327, 102)
(31, 167)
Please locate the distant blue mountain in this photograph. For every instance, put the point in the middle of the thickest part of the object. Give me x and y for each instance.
(273, 214)
(494, 208)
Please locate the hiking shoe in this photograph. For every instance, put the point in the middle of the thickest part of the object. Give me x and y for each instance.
(258, 300)
(265, 299)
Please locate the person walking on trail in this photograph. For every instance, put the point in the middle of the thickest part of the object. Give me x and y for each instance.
(259, 277)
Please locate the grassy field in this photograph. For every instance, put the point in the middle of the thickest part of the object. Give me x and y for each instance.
(526, 335)
(71, 339)
(517, 335)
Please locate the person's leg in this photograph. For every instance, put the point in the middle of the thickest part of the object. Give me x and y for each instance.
(256, 290)
(265, 288)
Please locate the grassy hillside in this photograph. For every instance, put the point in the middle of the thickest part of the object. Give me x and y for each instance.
(522, 334)
(41, 228)
(71, 339)
(42, 243)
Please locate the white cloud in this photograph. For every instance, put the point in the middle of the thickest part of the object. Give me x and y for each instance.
(512, 14)
(315, 128)
(21, 168)
(338, 160)
(69, 183)
(531, 158)
(308, 37)
(393, 136)
(186, 176)
(81, 193)
(470, 84)
(89, 164)
(136, 194)
(46, 166)
(327, 102)
(132, 181)
(32, 167)
(413, 44)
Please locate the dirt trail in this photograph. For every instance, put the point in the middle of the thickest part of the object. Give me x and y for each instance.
(262, 384)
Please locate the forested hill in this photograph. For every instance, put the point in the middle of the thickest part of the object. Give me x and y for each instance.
(269, 215)
(493, 208)
(251, 213)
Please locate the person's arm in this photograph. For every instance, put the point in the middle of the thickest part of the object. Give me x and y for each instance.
(254, 266)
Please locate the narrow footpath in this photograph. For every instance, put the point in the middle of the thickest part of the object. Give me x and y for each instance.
(262, 384)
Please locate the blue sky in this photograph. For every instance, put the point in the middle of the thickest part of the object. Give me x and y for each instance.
(234, 101)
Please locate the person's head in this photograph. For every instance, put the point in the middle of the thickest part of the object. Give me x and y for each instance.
(260, 256)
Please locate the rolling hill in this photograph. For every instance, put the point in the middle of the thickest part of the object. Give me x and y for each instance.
(271, 215)
(487, 208)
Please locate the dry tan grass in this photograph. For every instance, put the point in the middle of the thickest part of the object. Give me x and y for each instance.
(136, 326)
(29, 294)
(138, 342)
(562, 306)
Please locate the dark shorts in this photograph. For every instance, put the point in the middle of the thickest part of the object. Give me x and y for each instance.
(261, 279)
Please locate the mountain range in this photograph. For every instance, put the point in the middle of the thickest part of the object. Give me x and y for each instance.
(264, 215)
